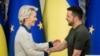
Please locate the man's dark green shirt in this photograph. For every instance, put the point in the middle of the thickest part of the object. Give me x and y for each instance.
(79, 39)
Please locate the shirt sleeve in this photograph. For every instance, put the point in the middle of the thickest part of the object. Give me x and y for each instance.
(80, 40)
(28, 47)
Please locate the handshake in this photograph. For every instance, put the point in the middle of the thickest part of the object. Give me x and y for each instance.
(56, 43)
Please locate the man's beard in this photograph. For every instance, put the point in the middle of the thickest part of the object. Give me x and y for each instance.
(71, 24)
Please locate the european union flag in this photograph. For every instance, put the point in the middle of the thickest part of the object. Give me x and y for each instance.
(13, 22)
(73, 2)
(92, 23)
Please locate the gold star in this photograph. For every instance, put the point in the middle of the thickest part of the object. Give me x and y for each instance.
(40, 25)
(12, 28)
(91, 29)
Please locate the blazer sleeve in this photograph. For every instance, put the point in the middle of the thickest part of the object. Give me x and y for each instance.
(42, 46)
(28, 47)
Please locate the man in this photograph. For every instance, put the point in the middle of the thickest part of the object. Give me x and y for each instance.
(78, 38)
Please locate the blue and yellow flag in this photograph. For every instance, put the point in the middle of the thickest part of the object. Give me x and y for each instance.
(13, 23)
(3, 45)
(92, 23)
(56, 26)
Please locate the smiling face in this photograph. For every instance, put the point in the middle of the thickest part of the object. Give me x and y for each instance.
(70, 18)
(31, 19)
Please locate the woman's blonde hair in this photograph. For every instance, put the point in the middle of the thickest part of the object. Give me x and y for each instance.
(25, 11)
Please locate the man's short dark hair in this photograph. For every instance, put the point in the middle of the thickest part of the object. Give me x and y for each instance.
(76, 10)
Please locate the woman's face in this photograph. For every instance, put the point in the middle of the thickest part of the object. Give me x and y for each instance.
(32, 18)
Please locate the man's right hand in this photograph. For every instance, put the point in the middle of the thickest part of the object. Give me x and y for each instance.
(56, 42)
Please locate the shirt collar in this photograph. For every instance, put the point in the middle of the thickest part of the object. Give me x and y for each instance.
(78, 26)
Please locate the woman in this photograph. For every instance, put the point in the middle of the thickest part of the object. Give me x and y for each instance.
(24, 44)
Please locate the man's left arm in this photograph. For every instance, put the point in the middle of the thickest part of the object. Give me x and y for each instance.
(77, 52)
(80, 41)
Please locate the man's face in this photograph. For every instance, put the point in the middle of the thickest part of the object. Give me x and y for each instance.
(32, 18)
(70, 18)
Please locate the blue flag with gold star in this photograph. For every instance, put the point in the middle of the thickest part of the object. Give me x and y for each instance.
(92, 23)
(13, 23)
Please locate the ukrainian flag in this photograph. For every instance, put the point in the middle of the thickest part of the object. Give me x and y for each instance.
(92, 23)
(13, 22)
(56, 26)
(3, 45)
